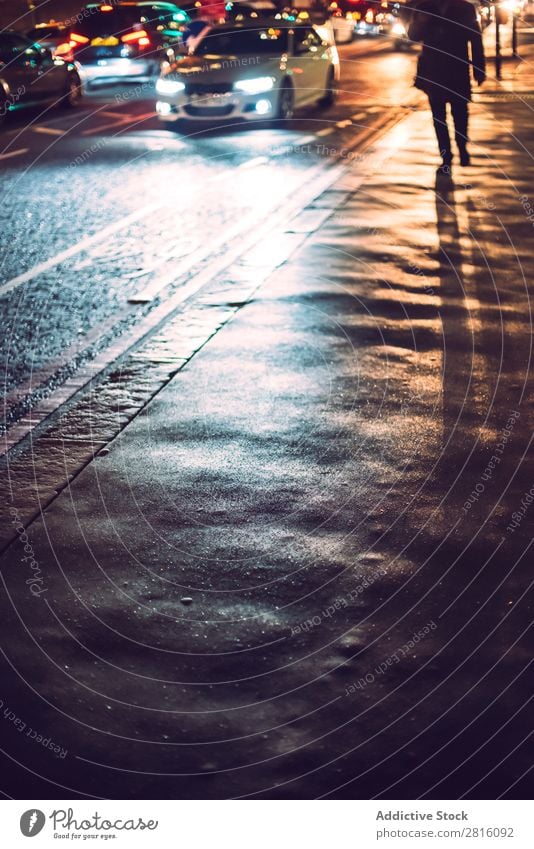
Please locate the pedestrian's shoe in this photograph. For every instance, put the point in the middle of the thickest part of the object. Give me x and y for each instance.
(465, 159)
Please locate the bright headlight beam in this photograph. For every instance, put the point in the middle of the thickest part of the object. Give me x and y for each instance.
(255, 86)
(164, 86)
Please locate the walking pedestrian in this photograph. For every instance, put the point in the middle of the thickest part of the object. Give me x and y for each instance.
(452, 44)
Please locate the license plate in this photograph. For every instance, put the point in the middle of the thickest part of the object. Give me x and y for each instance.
(105, 42)
(210, 100)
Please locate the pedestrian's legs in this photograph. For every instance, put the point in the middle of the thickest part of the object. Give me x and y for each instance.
(460, 114)
(439, 116)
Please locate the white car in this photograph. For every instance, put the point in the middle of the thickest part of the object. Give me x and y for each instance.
(343, 29)
(249, 72)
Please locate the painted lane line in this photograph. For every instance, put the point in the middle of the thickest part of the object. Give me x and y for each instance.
(88, 242)
(187, 263)
(358, 116)
(50, 131)
(305, 140)
(126, 119)
(326, 132)
(342, 124)
(251, 163)
(110, 114)
(11, 153)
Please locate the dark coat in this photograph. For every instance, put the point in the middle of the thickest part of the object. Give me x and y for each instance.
(447, 28)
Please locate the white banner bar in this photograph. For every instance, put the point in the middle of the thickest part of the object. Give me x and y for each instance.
(270, 824)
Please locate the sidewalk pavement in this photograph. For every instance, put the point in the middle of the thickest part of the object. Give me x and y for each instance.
(303, 569)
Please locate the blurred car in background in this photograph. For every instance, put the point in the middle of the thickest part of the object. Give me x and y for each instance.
(355, 18)
(342, 23)
(49, 35)
(244, 11)
(124, 41)
(29, 75)
(249, 72)
(393, 19)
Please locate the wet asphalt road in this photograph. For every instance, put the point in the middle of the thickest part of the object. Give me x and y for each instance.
(149, 200)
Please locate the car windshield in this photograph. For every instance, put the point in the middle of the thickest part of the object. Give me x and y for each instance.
(114, 22)
(264, 42)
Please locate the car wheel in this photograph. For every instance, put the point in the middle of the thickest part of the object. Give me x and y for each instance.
(73, 92)
(330, 92)
(286, 103)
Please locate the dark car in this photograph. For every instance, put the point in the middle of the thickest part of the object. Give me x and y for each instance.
(49, 35)
(30, 75)
(125, 41)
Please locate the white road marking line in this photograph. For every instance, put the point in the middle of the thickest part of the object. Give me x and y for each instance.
(125, 119)
(251, 163)
(109, 114)
(358, 116)
(326, 132)
(50, 131)
(190, 260)
(305, 140)
(82, 245)
(346, 123)
(11, 153)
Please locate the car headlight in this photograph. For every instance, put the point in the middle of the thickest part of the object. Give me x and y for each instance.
(255, 86)
(166, 86)
(398, 29)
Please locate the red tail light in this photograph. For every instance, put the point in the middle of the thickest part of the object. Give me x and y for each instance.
(139, 36)
(64, 49)
(78, 39)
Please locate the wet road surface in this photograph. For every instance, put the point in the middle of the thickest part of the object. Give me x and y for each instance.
(135, 206)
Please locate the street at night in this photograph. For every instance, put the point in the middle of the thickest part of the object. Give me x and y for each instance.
(267, 479)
